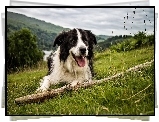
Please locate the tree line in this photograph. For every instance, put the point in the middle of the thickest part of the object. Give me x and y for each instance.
(139, 40)
(101, 46)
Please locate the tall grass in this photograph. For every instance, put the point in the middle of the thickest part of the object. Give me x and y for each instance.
(110, 62)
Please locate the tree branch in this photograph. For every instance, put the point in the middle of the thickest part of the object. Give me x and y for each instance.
(39, 97)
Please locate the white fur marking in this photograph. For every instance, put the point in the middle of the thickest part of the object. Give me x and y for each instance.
(80, 43)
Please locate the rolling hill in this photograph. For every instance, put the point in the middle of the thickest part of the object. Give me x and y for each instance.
(44, 31)
(25, 21)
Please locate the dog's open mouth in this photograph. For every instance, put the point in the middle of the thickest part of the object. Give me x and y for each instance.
(81, 61)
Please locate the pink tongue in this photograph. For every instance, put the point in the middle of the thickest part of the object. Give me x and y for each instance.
(80, 61)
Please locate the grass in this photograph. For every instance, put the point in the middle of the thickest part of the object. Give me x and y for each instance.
(132, 94)
(109, 63)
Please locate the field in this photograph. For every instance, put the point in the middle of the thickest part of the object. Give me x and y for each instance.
(132, 94)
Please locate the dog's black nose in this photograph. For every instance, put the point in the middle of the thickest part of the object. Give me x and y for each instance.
(82, 50)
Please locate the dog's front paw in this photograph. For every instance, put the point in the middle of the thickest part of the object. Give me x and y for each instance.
(39, 90)
(73, 85)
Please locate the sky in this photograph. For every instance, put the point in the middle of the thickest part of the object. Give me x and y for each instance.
(101, 21)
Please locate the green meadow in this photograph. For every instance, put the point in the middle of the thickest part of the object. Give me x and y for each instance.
(131, 94)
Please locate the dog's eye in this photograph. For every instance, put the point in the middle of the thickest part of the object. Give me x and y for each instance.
(86, 42)
(72, 41)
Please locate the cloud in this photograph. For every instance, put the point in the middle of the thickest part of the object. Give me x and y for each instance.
(98, 20)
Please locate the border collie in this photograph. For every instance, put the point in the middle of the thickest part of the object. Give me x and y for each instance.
(72, 61)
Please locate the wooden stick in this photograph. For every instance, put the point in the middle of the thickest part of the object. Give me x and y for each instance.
(39, 97)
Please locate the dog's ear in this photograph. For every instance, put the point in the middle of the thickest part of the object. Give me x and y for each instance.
(91, 36)
(60, 39)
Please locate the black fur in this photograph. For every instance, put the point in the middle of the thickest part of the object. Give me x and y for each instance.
(60, 39)
(66, 40)
(50, 63)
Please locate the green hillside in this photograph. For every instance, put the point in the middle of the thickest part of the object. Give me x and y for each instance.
(25, 21)
(105, 43)
(45, 32)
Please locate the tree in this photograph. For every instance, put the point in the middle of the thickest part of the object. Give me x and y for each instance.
(140, 36)
(22, 50)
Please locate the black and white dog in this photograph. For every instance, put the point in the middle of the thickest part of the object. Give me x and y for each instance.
(72, 61)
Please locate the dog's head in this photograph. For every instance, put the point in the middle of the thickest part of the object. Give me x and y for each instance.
(77, 43)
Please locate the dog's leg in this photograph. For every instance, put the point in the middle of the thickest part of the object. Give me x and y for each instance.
(45, 84)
